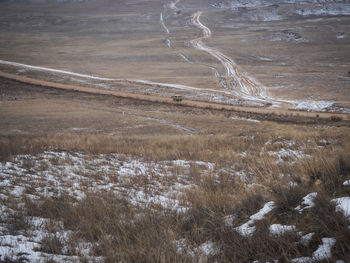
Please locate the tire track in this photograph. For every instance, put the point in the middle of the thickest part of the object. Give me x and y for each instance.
(240, 85)
(174, 8)
(163, 24)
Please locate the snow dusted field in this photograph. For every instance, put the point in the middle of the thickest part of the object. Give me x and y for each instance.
(90, 177)
(54, 174)
(74, 173)
(144, 184)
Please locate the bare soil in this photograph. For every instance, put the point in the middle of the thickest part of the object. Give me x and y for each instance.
(125, 39)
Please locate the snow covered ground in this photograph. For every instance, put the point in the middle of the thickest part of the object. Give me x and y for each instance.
(54, 174)
(145, 184)
(141, 182)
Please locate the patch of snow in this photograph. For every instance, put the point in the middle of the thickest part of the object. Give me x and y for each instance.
(346, 183)
(208, 248)
(18, 190)
(302, 260)
(324, 250)
(168, 43)
(292, 184)
(314, 105)
(243, 119)
(343, 205)
(307, 202)
(264, 58)
(22, 247)
(247, 229)
(331, 9)
(288, 153)
(78, 129)
(262, 212)
(163, 24)
(184, 57)
(278, 229)
(181, 245)
(305, 239)
(285, 35)
(341, 35)
(229, 220)
(262, 15)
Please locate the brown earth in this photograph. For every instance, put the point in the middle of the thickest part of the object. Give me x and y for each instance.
(167, 100)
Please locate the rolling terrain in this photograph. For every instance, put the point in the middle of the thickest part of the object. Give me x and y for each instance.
(172, 65)
(98, 163)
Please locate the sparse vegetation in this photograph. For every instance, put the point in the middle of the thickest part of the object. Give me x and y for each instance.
(91, 177)
(220, 202)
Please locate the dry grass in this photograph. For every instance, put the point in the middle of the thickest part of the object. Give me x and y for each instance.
(215, 148)
(119, 231)
(249, 171)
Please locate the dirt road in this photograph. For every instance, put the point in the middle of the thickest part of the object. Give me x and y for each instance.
(241, 86)
(167, 100)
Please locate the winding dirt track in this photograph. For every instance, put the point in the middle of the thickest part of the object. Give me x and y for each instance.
(237, 85)
(241, 86)
(167, 100)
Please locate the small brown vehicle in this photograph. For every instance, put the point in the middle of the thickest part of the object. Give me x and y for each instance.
(177, 98)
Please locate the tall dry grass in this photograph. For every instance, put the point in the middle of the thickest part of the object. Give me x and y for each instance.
(120, 231)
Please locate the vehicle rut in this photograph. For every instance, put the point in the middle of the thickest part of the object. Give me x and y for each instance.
(240, 85)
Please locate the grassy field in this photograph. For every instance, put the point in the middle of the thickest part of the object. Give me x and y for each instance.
(100, 177)
(93, 178)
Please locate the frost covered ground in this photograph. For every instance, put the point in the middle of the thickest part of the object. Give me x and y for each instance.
(154, 182)
(272, 10)
(55, 174)
(158, 186)
(141, 182)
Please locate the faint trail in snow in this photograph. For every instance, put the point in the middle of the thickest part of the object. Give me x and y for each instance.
(173, 7)
(134, 81)
(179, 127)
(223, 83)
(162, 121)
(175, 86)
(184, 57)
(168, 43)
(53, 70)
(163, 24)
(216, 72)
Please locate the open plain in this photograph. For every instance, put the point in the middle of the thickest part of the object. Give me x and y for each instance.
(99, 164)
